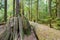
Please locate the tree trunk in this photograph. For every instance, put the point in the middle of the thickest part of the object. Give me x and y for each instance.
(58, 9)
(5, 9)
(37, 10)
(50, 13)
(17, 7)
(31, 10)
(13, 7)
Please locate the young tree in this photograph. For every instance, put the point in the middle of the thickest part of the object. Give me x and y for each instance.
(31, 9)
(37, 9)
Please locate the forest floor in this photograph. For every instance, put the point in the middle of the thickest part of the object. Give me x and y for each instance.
(30, 37)
(45, 32)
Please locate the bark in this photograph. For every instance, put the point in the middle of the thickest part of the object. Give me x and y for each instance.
(17, 7)
(19, 19)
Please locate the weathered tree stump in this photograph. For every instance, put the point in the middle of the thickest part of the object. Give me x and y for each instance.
(15, 27)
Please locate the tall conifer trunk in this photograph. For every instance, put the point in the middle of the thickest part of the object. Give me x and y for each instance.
(58, 9)
(13, 7)
(50, 13)
(5, 13)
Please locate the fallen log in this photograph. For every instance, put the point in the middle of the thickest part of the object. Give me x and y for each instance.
(45, 32)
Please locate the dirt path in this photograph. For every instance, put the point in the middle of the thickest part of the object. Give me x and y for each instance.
(30, 37)
(46, 33)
